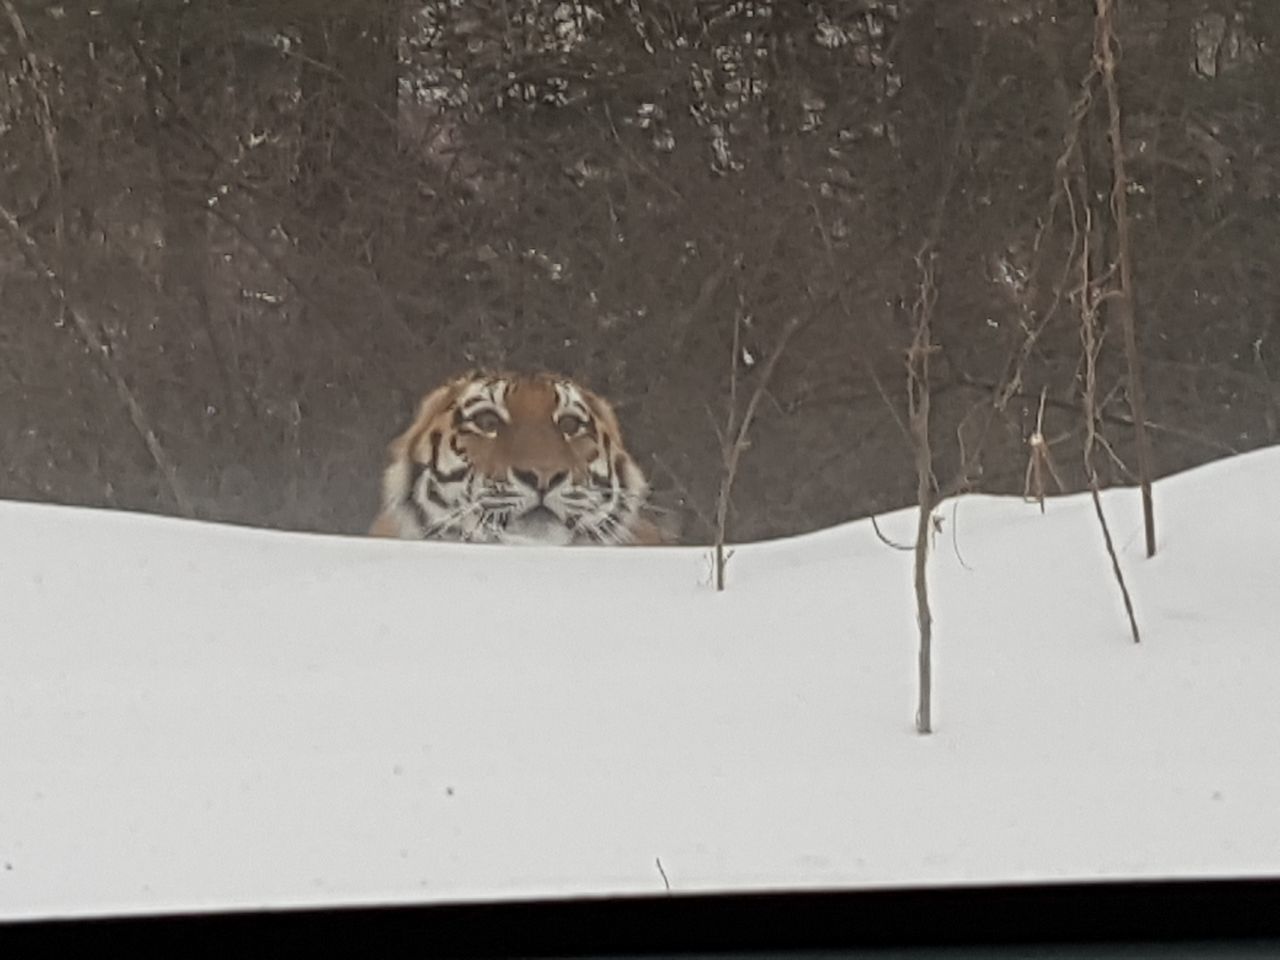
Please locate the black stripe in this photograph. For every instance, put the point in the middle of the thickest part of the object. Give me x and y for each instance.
(419, 512)
(605, 482)
(442, 476)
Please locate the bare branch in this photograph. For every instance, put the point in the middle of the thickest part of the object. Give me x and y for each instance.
(1040, 461)
(683, 489)
(955, 534)
(665, 882)
(1090, 340)
(904, 547)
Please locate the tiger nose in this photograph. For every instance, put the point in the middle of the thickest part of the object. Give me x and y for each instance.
(542, 481)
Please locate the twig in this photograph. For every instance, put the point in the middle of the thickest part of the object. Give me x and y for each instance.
(888, 402)
(1069, 160)
(665, 882)
(722, 502)
(101, 350)
(1039, 461)
(1114, 457)
(1209, 443)
(905, 547)
(1068, 168)
(955, 533)
(970, 465)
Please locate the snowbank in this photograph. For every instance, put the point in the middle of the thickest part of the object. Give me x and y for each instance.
(201, 716)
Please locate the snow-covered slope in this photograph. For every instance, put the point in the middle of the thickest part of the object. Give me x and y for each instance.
(200, 716)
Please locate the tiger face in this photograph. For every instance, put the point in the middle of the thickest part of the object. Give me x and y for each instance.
(514, 458)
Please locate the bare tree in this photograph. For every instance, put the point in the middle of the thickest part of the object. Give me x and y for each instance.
(737, 427)
(1104, 49)
(919, 400)
(919, 387)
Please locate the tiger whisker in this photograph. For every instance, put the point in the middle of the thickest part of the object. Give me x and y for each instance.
(452, 519)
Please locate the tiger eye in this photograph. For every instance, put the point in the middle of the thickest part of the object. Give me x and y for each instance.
(571, 425)
(487, 421)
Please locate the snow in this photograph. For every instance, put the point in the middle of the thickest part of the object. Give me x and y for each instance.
(198, 716)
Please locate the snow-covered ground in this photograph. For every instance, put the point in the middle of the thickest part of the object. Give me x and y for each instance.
(198, 716)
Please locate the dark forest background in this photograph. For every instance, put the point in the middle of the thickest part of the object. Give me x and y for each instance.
(240, 238)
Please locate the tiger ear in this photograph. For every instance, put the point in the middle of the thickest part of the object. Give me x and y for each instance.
(432, 405)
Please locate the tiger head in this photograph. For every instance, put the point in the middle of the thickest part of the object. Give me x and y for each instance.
(514, 458)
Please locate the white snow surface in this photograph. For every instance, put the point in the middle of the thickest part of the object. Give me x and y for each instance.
(196, 716)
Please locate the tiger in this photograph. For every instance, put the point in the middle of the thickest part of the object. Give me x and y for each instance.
(515, 458)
